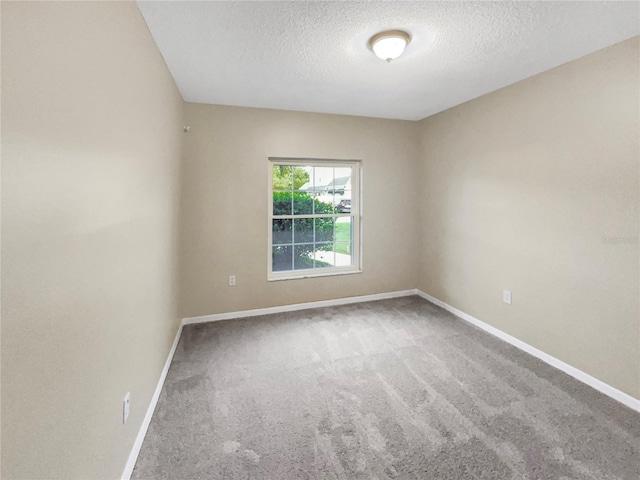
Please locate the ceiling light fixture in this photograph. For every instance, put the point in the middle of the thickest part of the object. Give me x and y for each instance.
(389, 45)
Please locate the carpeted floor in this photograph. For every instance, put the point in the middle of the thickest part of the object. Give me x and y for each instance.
(395, 389)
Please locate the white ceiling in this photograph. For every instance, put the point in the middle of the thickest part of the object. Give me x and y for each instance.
(312, 55)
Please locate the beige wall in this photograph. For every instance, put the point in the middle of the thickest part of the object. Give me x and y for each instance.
(519, 188)
(224, 204)
(91, 132)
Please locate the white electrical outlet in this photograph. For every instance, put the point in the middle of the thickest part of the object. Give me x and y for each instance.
(506, 296)
(126, 404)
(232, 280)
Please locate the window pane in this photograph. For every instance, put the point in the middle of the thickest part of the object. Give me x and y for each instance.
(343, 229)
(302, 257)
(282, 203)
(343, 254)
(282, 258)
(324, 229)
(344, 241)
(344, 205)
(302, 179)
(302, 203)
(324, 255)
(281, 229)
(282, 178)
(323, 184)
(342, 189)
(323, 205)
(323, 177)
(303, 230)
(310, 186)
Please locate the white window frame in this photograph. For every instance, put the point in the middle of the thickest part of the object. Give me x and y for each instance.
(355, 215)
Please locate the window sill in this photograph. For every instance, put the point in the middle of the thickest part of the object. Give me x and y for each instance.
(312, 275)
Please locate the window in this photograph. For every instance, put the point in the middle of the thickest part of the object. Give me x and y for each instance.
(314, 217)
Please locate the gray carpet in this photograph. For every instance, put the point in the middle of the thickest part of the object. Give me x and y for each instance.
(395, 389)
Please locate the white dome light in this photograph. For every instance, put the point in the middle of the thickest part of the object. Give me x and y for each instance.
(389, 45)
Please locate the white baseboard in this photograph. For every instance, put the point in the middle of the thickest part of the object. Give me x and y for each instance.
(133, 456)
(593, 382)
(297, 306)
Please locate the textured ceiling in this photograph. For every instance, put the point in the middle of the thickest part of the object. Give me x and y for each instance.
(312, 56)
